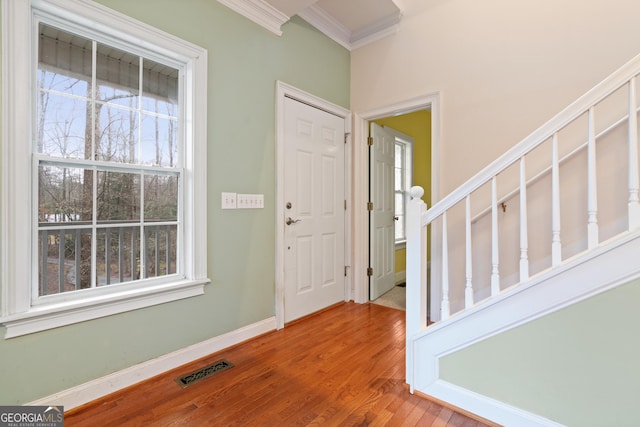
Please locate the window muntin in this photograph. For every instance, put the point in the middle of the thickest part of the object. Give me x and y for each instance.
(107, 155)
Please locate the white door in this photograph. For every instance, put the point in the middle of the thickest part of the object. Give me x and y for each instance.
(381, 217)
(314, 210)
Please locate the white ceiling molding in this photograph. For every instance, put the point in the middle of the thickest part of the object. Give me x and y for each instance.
(376, 31)
(291, 7)
(352, 24)
(333, 29)
(327, 24)
(260, 12)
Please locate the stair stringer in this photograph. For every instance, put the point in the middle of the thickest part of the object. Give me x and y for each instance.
(606, 267)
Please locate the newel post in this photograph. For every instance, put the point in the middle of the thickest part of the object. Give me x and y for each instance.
(416, 275)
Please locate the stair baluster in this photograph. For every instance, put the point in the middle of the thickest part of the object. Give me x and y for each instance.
(592, 185)
(524, 240)
(634, 185)
(468, 291)
(495, 259)
(556, 245)
(444, 308)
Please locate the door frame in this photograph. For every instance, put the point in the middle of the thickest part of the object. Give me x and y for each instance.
(284, 90)
(360, 254)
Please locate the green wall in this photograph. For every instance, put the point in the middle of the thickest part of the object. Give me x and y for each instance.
(418, 126)
(245, 61)
(578, 366)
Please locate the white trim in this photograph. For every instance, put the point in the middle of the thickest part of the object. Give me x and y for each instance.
(337, 32)
(376, 31)
(612, 264)
(348, 191)
(476, 403)
(19, 314)
(267, 16)
(260, 12)
(46, 317)
(361, 179)
(327, 24)
(16, 235)
(108, 21)
(95, 389)
(401, 277)
(283, 91)
(360, 197)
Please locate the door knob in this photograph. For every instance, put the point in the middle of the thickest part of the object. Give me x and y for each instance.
(395, 218)
(290, 221)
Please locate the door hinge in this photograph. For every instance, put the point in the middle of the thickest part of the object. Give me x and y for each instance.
(345, 204)
(370, 141)
(346, 267)
(369, 271)
(369, 206)
(346, 137)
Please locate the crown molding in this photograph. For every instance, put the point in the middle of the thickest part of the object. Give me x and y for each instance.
(324, 22)
(260, 12)
(377, 30)
(267, 16)
(333, 29)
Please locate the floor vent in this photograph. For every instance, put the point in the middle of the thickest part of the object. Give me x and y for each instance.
(200, 374)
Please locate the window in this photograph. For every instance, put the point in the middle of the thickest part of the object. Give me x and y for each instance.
(100, 111)
(113, 163)
(402, 182)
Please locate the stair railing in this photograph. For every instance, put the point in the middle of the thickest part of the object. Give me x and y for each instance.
(419, 217)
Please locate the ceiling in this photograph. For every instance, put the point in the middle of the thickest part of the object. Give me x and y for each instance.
(352, 23)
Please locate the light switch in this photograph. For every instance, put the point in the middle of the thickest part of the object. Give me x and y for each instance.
(228, 200)
(250, 201)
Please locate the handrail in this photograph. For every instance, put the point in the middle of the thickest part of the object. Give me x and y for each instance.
(615, 81)
(547, 170)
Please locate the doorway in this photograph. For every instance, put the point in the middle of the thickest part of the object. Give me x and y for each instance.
(312, 185)
(360, 257)
(409, 139)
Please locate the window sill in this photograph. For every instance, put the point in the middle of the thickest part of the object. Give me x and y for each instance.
(53, 316)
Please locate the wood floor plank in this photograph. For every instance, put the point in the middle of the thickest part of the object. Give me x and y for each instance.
(342, 367)
(443, 418)
(430, 414)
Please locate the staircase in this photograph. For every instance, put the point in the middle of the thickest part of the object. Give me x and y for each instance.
(552, 222)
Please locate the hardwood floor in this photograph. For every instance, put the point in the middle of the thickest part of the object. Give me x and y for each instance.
(341, 367)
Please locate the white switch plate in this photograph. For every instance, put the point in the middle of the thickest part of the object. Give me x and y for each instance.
(228, 201)
(250, 201)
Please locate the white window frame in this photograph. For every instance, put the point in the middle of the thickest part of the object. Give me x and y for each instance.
(18, 313)
(407, 142)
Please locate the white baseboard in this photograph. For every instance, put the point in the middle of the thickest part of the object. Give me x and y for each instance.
(491, 409)
(95, 389)
(401, 277)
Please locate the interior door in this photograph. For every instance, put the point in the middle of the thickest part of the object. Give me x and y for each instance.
(381, 217)
(314, 189)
